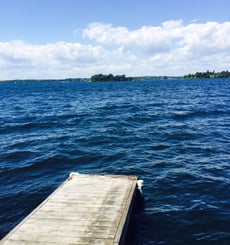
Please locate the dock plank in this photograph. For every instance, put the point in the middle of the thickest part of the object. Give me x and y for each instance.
(85, 209)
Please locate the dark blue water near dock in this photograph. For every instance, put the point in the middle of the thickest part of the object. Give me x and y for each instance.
(173, 134)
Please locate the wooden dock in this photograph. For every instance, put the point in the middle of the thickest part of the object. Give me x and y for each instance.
(85, 209)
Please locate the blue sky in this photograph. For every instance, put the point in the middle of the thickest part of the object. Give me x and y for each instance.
(78, 38)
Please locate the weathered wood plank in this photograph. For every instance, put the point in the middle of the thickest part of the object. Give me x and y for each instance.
(80, 241)
(85, 209)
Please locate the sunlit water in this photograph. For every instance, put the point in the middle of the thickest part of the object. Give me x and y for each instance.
(173, 134)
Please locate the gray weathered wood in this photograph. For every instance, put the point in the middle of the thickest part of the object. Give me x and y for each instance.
(85, 209)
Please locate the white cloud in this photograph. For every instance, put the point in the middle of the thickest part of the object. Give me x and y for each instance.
(171, 48)
(210, 35)
(55, 60)
(151, 39)
(207, 38)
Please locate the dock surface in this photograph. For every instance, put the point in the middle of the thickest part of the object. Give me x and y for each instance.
(85, 209)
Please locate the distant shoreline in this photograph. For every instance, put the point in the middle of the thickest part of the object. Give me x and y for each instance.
(141, 78)
(122, 78)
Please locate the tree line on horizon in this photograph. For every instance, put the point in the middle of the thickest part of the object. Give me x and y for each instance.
(208, 74)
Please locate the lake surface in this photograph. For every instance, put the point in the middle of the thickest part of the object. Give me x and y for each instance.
(173, 134)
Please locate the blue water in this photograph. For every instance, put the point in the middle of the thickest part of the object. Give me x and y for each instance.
(173, 134)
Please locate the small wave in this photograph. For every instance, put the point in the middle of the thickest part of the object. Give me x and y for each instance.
(189, 115)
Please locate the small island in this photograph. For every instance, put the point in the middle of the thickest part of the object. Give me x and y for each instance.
(109, 78)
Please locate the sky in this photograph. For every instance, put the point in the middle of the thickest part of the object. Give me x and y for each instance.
(56, 39)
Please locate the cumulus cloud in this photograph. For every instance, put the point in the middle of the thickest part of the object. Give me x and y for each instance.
(148, 38)
(168, 36)
(207, 38)
(172, 48)
(54, 60)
